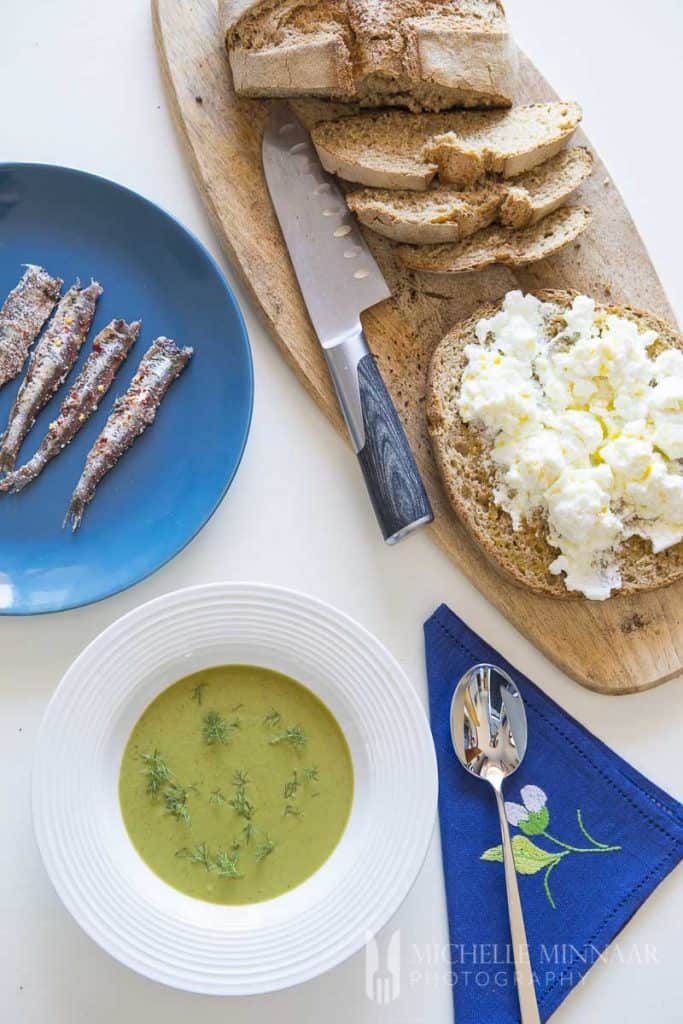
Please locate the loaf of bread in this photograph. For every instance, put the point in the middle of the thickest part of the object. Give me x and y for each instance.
(399, 150)
(461, 450)
(445, 213)
(422, 54)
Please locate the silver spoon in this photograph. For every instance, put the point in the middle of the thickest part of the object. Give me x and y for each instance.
(488, 730)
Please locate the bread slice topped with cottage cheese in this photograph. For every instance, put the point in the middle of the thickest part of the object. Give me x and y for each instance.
(422, 54)
(557, 426)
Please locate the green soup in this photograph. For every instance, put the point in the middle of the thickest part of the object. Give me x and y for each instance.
(236, 784)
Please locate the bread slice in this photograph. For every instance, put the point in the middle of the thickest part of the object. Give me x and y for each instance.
(514, 247)
(505, 142)
(381, 150)
(446, 214)
(537, 193)
(423, 54)
(442, 214)
(523, 555)
(401, 150)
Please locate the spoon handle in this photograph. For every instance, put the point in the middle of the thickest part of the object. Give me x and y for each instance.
(524, 975)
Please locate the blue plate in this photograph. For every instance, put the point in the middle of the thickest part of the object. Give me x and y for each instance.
(169, 483)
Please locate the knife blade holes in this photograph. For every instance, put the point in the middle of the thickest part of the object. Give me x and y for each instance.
(298, 147)
(331, 211)
(360, 274)
(342, 231)
(350, 254)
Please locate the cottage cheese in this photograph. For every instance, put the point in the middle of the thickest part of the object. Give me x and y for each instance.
(586, 427)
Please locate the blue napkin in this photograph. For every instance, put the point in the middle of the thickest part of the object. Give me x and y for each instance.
(592, 839)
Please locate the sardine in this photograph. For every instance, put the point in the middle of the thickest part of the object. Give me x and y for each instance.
(131, 415)
(109, 349)
(52, 358)
(26, 309)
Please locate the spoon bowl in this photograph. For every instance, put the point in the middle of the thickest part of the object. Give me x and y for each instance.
(488, 723)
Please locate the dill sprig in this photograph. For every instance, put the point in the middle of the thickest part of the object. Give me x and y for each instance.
(241, 803)
(198, 691)
(272, 719)
(201, 855)
(162, 782)
(311, 775)
(217, 797)
(291, 811)
(197, 855)
(291, 786)
(294, 737)
(157, 771)
(227, 865)
(248, 832)
(264, 849)
(175, 799)
(217, 729)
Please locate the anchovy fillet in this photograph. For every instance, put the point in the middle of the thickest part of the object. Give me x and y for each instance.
(130, 417)
(52, 359)
(22, 316)
(109, 349)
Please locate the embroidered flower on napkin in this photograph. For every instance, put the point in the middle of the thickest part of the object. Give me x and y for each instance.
(533, 817)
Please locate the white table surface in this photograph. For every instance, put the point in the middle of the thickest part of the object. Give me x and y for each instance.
(297, 513)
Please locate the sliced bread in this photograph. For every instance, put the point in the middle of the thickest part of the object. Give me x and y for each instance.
(514, 247)
(539, 192)
(402, 150)
(381, 150)
(446, 214)
(423, 54)
(523, 555)
(503, 142)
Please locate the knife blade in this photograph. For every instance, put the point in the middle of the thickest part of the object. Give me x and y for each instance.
(339, 279)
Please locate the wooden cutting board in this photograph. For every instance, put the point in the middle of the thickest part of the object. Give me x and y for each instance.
(618, 646)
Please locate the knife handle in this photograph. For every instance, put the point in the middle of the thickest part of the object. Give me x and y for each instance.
(391, 475)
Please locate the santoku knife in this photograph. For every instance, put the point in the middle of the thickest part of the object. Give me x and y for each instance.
(339, 278)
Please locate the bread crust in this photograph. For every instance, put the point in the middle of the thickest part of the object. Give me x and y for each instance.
(423, 57)
(523, 556)
(253, 73)
(230, 12)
